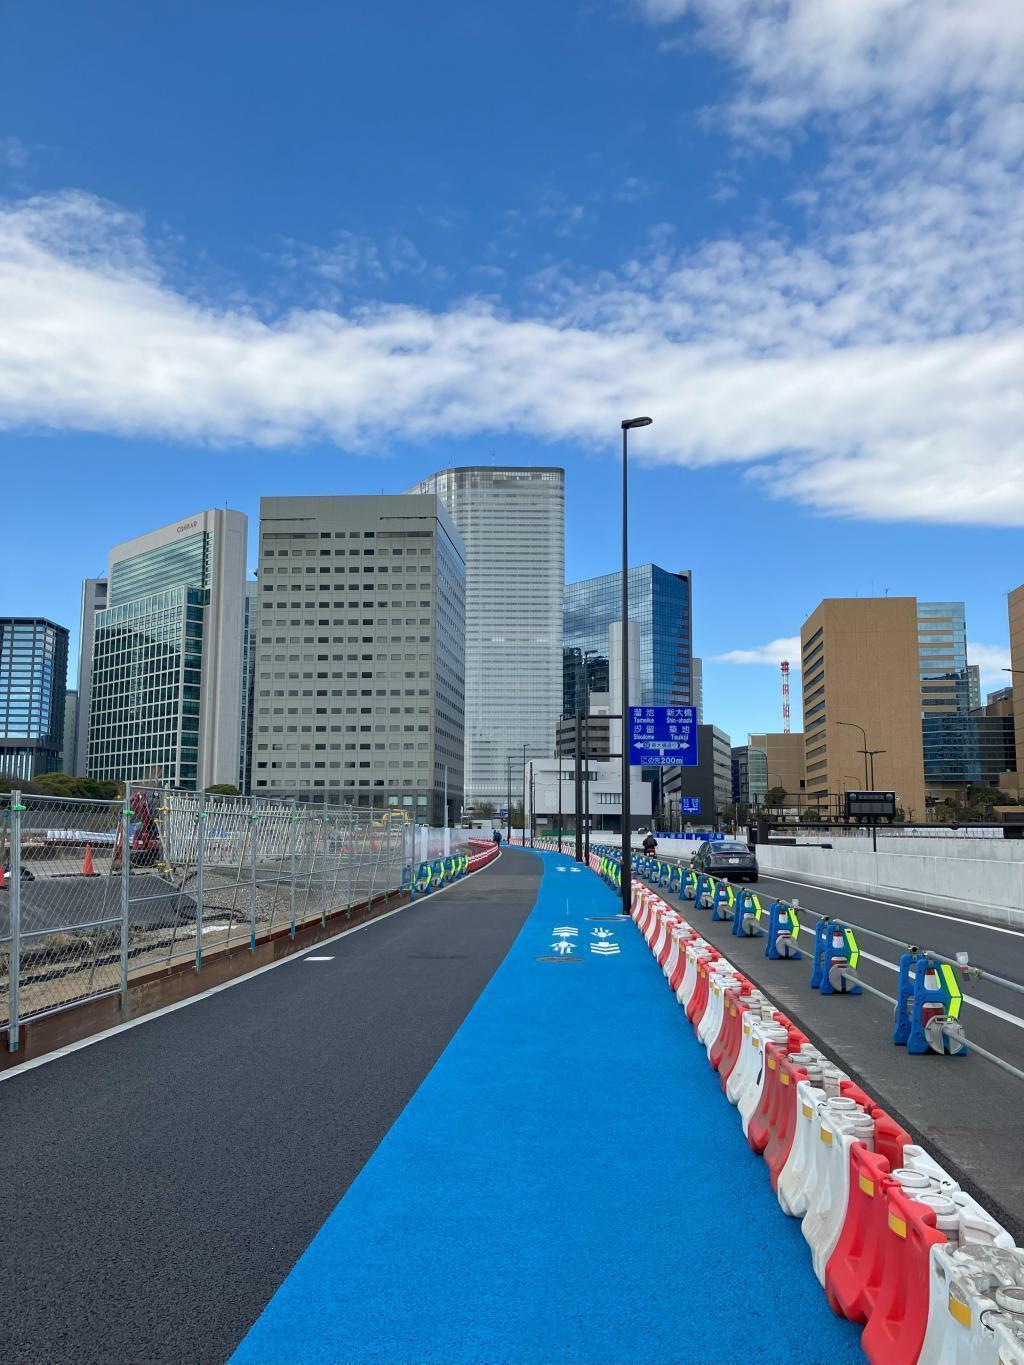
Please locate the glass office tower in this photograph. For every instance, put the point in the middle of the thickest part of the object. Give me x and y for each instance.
(165, 702)
(33, 682)
(660, 602)
(512, 521)
(955, 749)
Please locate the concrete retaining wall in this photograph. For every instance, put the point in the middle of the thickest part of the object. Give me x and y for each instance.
(990, 890)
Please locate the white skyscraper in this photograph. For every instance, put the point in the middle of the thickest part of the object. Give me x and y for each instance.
(512, 521)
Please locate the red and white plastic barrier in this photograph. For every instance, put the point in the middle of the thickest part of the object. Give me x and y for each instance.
(895, 1242)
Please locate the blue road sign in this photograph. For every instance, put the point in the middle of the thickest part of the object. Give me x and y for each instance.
(663, 736)
(689, 805)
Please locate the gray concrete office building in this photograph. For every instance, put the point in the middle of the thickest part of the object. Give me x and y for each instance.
(359, 687)
(512, 520)
(166, 687)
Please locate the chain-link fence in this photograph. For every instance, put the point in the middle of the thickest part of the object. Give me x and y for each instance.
(92, 892)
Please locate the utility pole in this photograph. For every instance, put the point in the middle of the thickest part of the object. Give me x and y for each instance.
(560, 793)
(578, 803)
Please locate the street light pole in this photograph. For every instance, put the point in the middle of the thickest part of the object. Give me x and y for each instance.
(627, 835)
(525, 747)
(852, 725)
(586, 755)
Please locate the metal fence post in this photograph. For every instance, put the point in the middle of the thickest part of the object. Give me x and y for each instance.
(294, 843)
(200, 878)
(323, 865)
(252, 885)
(14, 964)
(126, 863)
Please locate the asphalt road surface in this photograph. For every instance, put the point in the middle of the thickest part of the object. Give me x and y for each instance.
(159, 1185)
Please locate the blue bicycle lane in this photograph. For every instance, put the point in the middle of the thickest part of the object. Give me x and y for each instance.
(568, 1183)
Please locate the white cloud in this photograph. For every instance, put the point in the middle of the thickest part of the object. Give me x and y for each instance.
(774, 652)
(859, 357)
(992, 660)
(840, 55)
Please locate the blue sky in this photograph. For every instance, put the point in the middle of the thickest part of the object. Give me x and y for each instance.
(250, 249)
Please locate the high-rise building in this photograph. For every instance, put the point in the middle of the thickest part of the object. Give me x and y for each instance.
(94, 599)
(33, 682)
(942, 655)
(166, 683)
(1015, 608)
(248, 688)
(70, 731)
(360, 653)
(698, 795)
(660, 602)
(697, 687)
(973, 686)
(512, 522)
(861, 668)
(782, 765)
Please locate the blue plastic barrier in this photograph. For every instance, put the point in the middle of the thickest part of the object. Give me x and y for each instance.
(745, 903)
(782, 919)
(834, 945)
(913, 995)
(722, 901)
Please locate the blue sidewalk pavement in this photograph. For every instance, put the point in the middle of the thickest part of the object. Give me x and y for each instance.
(568, 1184)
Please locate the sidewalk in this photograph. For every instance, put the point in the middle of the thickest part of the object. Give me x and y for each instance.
(567, 1184)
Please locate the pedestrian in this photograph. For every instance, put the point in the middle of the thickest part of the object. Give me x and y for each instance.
(496, 836)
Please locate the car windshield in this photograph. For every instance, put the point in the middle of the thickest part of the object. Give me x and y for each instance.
(730, 846)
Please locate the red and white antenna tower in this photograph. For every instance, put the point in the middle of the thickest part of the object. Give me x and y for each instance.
(785, 696)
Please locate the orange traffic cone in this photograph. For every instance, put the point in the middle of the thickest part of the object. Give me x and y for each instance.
(87, 866)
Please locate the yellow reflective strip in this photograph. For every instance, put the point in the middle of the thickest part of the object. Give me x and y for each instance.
(808, 1112)
(826, 1137)
(794, 922)
(757, 902)
(772, 1064)
(756, 1042)
(746, 1028)
(867, 1186)
(853, 952)
(897, 1225)
(784, 1078)
(953, 988)
(960, 1312)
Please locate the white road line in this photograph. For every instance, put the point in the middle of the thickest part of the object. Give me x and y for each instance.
(897, 905)
(968, 999)
(318, 959)
(224, 986)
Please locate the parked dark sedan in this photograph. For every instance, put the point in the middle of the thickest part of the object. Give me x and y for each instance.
(726, 858)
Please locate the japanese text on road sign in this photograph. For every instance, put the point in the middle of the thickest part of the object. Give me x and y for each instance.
(663, 736)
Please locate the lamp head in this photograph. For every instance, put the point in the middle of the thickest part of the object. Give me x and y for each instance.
(632, 422)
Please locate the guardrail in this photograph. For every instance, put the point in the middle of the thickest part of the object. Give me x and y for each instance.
(897, 1245)
(928, 1005)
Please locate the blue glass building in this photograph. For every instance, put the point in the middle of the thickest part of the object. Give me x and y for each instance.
(33, 681)
(661, 603)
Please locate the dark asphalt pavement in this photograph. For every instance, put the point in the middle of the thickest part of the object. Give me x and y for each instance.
(159, 1185)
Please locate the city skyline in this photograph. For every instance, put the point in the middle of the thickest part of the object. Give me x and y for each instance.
(290, 285)
(742, 693)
